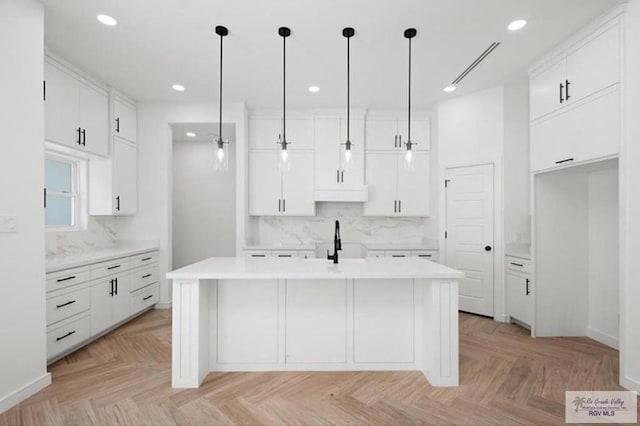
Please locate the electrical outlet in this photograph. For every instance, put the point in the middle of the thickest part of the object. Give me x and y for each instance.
(8, 224)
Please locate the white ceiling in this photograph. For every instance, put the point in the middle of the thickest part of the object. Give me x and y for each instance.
(162, 42)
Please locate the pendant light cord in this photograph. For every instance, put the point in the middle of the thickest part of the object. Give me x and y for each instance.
(284, 92)
(409, 109)
(220, 112)
(348, 89)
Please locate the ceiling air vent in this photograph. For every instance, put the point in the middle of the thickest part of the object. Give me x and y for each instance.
(475, 63)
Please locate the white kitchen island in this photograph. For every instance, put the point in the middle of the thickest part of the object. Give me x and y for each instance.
(274, 314)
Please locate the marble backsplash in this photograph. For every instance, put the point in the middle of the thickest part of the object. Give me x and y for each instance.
(354, 227)
(101, 232)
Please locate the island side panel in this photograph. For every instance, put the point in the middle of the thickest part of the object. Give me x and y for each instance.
(190, 333)
(440, 340)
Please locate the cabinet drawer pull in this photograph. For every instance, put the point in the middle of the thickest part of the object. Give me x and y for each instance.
(113, 267)
(517, 264)
(564, 161)
(284, 255)
(258, 255)
(65, 336)
(70, 302)
(147, 298)
(527, 286)
(146, 276)
(146, 258)
(398, 255)
(425, 255)
(66, 279)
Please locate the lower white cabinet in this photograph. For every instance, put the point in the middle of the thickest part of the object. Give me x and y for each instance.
(519, 290)
(85, 301)
(303, 253)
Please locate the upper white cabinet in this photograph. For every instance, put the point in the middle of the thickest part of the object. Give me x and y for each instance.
(388, 133)
(76, 111)
(125, 122)
(330, 136)
(586, 68)
(264, 132)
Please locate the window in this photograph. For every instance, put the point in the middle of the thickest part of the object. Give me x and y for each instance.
(62, 186)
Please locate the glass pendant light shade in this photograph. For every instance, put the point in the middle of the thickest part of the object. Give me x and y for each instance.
(346, 156)
(222, 155)
(284, 163)
(408, 157)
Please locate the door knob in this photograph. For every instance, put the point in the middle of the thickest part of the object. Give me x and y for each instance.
(487, 248)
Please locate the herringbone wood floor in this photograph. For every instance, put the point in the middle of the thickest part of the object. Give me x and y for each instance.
(506, 378)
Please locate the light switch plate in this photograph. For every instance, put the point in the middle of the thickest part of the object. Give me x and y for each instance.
(8, 224)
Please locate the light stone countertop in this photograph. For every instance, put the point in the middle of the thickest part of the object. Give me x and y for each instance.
(61, 261)
(424, 245)
(278, 268)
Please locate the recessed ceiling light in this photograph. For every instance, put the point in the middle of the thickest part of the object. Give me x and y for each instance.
(517, 25)
(178, 87)
(450, 88)
(314, 89)
(107, 20)
(191, 134)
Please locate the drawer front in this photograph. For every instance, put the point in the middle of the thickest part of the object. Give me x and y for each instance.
(65, 337)
(67, 278)
(143, 277)
(110, 267)
(67, 305)
(144, 259)
(397, 253)
(518, 265)
(285, 253)
(144, 298)
(257, 253)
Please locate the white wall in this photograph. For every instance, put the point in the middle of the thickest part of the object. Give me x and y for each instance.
(630, 208)
(603, 274)
(204, 209)
(22, 305)
(471, 132)
(153, 221)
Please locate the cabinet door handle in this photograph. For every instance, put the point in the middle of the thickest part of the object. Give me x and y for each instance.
(147, 298)
(517, 264)
(146, 276)
(284, 205)
(564, 161)
(112, 291)
(338, 175)
(79, 132)
(70, 302)
(399, 206)
(566, 90)
(561, 88)
(395, 141)
(65, 336)
(399, 141)
(118, 124)
(118, 203)
(527, 286)
(395, 206)
(84, 137)
(66, 279)
(342, 176)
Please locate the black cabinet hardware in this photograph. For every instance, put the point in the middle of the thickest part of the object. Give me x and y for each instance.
(561, 88)
(112, 292)
(284, 255)
(399, 206)
(395, 206)
(113, 267)
(258, 255)
(147, 298)
(66, 279)
(527, 286)
(146, 276)
(118, 125)
(70, 302)
(146, 258)
(395, 141)
(564, 161)
(44, 90)
(342, 176)
(398, 255)
(118, 203)
(79, 132)
(279, 205)
(517, 264)
(116, 280)
(45, 198)
(84, 137)
(425, 255)
(338, 175)
(566, 90)
(487, 248)
(65, 336)
(284, 206)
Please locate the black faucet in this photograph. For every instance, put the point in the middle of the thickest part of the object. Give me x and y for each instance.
(337, 244)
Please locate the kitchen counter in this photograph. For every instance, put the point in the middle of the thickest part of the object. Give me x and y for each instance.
(522, 251)
(292, 314)
(59, 262)
(423, 245)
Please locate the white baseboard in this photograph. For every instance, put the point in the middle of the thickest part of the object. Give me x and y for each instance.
(25, 392)
(502, 318)
(163, 305)
(604, 338)
(630, 384)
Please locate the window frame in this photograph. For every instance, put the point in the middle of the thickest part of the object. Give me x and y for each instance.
(78, 184)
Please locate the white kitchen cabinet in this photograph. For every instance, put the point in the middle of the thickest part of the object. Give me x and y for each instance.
(109, 302)
(383, 321)
(125, 121)
(316, 329)
(331, 134)
(264, 131)
(395, 190)
(390, 133)
(281, 192)
(587, 67)
(76, 112)
(583, 133)
(519, 290)
(113, 182)
(420, 134)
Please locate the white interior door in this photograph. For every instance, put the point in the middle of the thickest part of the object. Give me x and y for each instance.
(469, 234)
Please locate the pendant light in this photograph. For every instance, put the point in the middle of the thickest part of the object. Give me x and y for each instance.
(222, 154)
(409, 33)
(283, 158)
(346, 154)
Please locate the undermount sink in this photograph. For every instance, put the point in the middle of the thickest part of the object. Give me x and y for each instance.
(349, 250)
